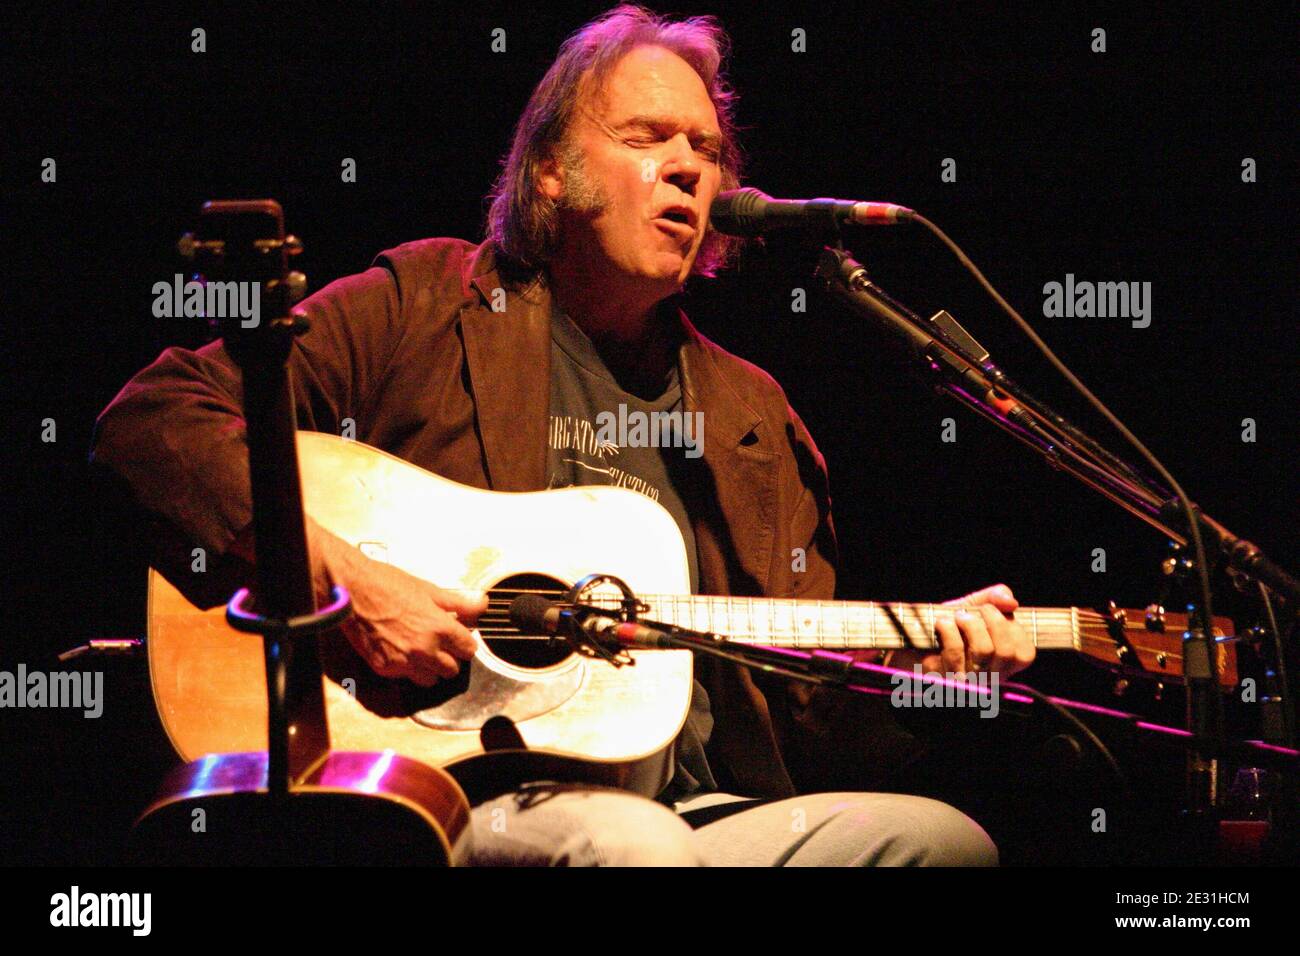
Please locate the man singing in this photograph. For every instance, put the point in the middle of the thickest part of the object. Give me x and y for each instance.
(471, 360)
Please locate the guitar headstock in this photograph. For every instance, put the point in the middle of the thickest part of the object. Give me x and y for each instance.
(241, 253)
(1148, 644)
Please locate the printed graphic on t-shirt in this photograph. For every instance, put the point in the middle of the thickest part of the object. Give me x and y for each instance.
(576, 441)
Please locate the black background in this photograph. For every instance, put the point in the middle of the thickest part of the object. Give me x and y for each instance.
(1116, 166)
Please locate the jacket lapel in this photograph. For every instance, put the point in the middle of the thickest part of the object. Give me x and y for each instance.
(735, 532)
(509, 359)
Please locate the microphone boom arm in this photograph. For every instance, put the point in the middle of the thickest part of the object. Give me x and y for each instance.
(980, 385)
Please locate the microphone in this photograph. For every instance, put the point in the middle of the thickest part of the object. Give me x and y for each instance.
(749, 212)
(532, 612)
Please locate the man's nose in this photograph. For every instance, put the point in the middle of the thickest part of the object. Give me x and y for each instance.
(682, 167)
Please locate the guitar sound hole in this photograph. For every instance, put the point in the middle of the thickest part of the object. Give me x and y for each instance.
(504, 639)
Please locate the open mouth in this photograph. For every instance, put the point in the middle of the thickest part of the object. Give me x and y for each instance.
(677, 225)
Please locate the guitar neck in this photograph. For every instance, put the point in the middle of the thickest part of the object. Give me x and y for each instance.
(849, 625)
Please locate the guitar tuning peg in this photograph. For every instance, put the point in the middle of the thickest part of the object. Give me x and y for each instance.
(1155, 617)
(292, 245)
(297, 286)
(189, 246)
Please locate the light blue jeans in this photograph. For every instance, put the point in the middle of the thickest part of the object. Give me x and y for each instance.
(570, 825)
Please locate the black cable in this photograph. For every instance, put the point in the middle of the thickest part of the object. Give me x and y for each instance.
(1083, 729)
(1288, 723)
(1193, 524)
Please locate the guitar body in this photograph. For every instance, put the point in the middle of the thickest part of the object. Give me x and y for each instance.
(577, 718)
(351, 809)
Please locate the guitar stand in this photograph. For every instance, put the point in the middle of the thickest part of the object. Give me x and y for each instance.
(300, 801)
(277, 632)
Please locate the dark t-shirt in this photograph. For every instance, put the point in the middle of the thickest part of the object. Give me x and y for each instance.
(590, 413)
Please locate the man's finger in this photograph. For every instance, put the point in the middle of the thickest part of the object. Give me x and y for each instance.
(452, 636)
(467, 606)
(952, 648)
(998, 595)
(979, 645)
(421, 671)
(444, 664)
(1003, 633)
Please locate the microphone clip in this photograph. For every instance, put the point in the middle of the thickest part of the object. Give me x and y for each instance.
(574, 618)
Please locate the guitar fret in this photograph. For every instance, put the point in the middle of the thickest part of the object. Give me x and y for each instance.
(833, 626)
(854, 632)
(807, 621)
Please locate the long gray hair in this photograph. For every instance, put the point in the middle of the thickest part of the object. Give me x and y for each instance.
(521, 221)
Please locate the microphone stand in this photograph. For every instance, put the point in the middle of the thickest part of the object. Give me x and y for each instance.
(961, 369)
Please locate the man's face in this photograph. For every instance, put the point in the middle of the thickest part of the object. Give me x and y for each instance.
(640, 170)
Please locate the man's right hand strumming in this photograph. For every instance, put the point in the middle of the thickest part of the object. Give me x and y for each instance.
(401, 626)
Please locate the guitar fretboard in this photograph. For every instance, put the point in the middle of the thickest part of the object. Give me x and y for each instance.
(846, 625)
(841, 624)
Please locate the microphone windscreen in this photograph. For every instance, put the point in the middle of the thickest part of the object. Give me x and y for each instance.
(528, 612)
(739, 212)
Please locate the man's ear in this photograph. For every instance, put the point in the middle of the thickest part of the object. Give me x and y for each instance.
(550, 178)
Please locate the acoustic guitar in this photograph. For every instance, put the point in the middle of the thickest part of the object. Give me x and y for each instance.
(566, 716)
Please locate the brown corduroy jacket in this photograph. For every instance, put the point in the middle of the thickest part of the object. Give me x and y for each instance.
(412, 351)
